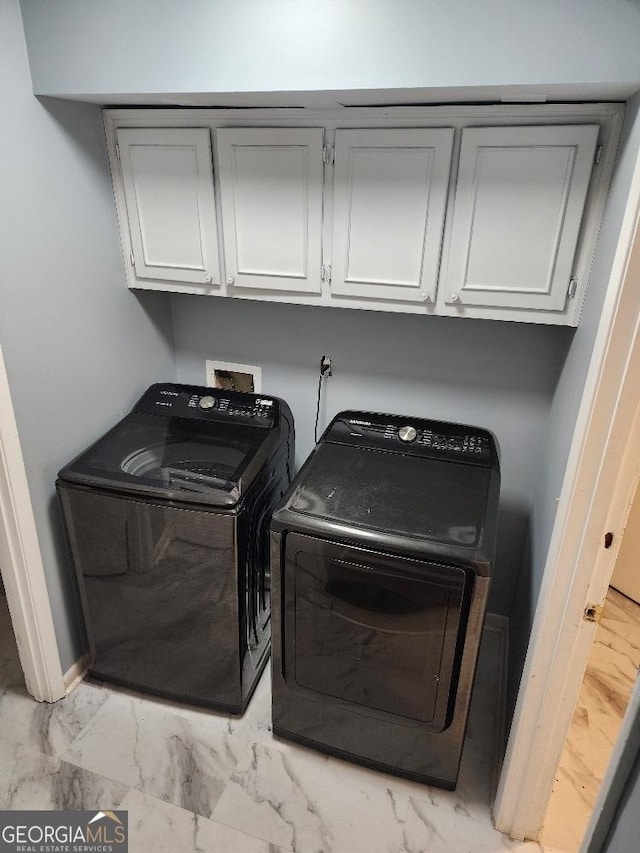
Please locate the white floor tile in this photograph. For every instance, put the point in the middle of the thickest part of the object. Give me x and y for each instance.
(48, 727)
(430, 830)
(296, 799)
(178, 758)
(11, 753)
(195, 780)
(158, 827)
(42, 782)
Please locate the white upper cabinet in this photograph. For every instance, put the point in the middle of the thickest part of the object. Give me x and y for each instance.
(271, 198)
(167, 180)
(518, 208)
(390, 194)
(490, 212)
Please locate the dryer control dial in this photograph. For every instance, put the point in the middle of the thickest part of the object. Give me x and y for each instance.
(207, 402)
(407, 433)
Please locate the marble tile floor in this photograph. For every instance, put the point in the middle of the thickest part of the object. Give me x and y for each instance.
(606, 688)
(193, 780)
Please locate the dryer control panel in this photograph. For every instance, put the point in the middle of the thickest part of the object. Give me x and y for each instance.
(413, 436)
(201, 403)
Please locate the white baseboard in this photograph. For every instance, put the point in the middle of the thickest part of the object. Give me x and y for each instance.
(76, 673)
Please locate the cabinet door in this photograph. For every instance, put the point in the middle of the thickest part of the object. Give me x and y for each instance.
(390, 192)
(168, 187)
(271, 195)
(518, 207)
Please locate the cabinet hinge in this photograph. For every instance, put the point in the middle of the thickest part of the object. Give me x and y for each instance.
(132, 259)
(325, 273)
(598, 157)
(328, 154)
(573, 286)
(593, 613)
(117, 150)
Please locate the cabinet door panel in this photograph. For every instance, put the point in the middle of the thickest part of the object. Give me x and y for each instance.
(518, 208)
(271, 195)
(168, 186)
(390, 192)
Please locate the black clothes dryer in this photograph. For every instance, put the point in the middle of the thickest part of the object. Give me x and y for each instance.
(167, 521)
(381, 560)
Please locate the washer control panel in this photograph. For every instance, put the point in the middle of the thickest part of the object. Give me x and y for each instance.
(189, 401)
(471, 444)
(417, 437)
(256, 407)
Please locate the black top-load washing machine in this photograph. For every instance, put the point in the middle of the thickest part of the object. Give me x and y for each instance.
(381, 560)
(167, 521)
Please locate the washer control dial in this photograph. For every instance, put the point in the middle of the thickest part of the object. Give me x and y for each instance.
(207, 402)
(407, 433)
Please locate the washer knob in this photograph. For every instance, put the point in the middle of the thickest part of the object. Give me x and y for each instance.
(407, 433)
(207, 402)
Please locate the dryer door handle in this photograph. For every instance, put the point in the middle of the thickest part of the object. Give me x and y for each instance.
(389, 623)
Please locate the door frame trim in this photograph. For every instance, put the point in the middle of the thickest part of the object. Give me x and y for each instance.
(22, 566)
(597, 491)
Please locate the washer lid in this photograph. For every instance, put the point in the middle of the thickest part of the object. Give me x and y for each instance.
(416, 496)
(173, 458)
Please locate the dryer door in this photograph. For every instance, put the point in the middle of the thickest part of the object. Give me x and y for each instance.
(381, 631)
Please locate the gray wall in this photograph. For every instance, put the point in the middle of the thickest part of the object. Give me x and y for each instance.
(85, 47)
(567, 398)
(625, 829)
(492, 374)
(78, 346)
